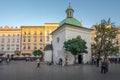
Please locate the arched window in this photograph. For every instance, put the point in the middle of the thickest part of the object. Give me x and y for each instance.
(17, 34)
(28, 38)
(58, 39)
(40, 39)
(3, 35)
(35, 33)
(40, 33)
(24, 33)
(47, 32)
(8, 34)
(29, 33)
(13, 35)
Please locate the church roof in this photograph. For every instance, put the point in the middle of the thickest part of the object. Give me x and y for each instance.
(69, 8)
(71, 21)
(48, 47)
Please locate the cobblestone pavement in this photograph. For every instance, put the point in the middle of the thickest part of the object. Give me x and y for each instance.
(21, 70)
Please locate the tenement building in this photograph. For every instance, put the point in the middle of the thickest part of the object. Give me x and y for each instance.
(9, 40)
(36, 37)
(26, 39)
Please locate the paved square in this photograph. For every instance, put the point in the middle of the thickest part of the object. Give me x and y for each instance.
(21, 70)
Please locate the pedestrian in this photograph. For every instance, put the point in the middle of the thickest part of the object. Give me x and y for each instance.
(38, 63)
(93, 60)
(27, 59)
(119, 59)
(97, 62)
(60, 61)
(103, 66)
(7, 60)
(107, 62)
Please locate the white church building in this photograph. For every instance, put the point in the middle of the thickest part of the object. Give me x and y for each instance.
(70, 28)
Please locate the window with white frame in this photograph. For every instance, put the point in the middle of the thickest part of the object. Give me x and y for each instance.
(13, 40)
(28, 38)
(28, 46)
(9, 35)
(29, 33)
(24, 33)
(47, 38)
(17, 47)
(35, 46)
(24, 46)
(3, 35)
(18, 35)
(18, 41)
(40, 46)
(8, 47)
(40, 38)
(13, 35)
(24, 39)
(2, 47)
(40, 33)
(35, 39)
(8, 40)
(2, 40)
(12, 46)
(35, 33)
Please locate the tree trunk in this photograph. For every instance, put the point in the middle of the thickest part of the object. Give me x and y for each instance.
(74, 59)
(98, 58)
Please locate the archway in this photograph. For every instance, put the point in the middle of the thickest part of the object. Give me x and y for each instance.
(80, 59)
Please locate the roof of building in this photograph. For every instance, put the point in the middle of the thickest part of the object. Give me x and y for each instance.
(48, 47)
(71, 21)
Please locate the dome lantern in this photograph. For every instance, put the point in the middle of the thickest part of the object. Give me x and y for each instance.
(69, 12)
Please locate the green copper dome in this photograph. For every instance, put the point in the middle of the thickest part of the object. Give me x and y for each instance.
(71, 21)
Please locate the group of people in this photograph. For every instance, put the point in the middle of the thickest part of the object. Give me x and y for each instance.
(115, 59)
(105, 65)
(8, 58)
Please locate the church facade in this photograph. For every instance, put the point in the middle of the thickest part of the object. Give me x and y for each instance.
(70, 28)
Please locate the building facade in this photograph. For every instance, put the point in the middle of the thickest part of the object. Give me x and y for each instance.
(9, 40)
(36, 37)
(25, 39)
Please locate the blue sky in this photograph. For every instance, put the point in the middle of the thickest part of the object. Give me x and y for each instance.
(37, 12)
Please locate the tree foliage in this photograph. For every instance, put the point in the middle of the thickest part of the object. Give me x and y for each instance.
(104, 40)
(37, 52)
(75, 46)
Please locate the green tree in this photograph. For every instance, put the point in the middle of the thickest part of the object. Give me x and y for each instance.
(37, 52)
(104, 40)
(75, 46)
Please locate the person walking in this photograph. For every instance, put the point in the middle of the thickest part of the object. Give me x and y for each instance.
(97, 62)
(60, 61)
(103, 66)
(38, 63)
(107, 62)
